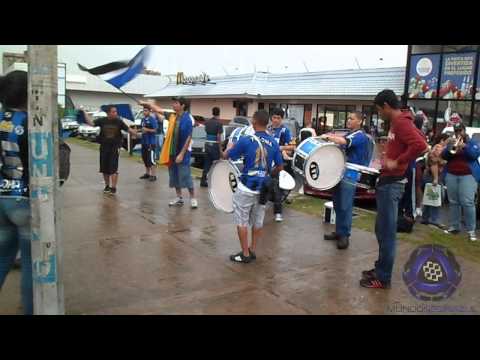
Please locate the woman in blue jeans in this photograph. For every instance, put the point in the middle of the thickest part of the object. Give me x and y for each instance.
(14, 186)
(462, 176)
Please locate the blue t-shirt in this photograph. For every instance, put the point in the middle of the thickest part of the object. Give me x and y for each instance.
(281, 134)
(149, 122)
(357, 151)
(185, 128)
(254, 173)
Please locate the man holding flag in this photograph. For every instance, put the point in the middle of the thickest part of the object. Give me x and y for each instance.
(176, 153)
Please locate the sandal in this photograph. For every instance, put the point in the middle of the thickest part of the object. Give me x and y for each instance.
(240, 258)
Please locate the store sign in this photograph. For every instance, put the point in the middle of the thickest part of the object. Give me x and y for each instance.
(457, 76)
(191, 80)
(423, 77)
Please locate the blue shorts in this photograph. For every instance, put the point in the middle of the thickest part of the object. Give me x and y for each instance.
(180, 176)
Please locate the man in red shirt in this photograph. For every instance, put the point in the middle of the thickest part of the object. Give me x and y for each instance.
(405, 143)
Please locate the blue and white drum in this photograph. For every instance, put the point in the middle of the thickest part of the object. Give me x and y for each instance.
(320, 163)
(361, 176)
(223, 180)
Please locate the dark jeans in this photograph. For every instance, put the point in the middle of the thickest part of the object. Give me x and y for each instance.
(271, 192)
(388, 196)
(15, 235)
(406, 203)
(343, 196)
(212, 153)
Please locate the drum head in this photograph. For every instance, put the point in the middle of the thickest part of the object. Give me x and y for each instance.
(286, 181)
(325, 167)
(222, 183)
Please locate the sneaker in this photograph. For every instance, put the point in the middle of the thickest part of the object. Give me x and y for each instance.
(113, 191)
(144, 176)
(452, 231)
(178, 201)
(107, 189)
(278, 218)
(368, 274)
(252, 254)
(152, 178)
(194, 203)
(241, 258)
(374, 283)
(472, 236)
(343, 242)
(332, 236)
(301, 191)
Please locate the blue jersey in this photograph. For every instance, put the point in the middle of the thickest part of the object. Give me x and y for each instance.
(256, 171)
(357, 150)
(14, 178)
(149, 122)
(185, 129)
(281, 134)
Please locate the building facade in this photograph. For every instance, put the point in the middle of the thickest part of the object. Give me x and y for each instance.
(443, 80)
(320, 98)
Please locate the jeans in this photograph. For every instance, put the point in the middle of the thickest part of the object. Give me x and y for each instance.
(271, 192)
(343, 195)
(387, 197)
(15, 235)
(461, 195)
(212, 153)
(158, 148)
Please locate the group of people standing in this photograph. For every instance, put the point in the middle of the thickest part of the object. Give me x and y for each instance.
(263, 148)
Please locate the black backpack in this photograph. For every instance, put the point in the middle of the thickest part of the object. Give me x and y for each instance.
(63, 161)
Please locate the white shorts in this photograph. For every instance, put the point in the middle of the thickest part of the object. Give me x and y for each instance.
(246, 209)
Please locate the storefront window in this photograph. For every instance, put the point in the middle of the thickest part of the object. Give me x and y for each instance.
(331, 117)
(476, 115)
(459, 48)
(462, 108)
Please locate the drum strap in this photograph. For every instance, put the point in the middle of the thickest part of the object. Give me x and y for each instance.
(264, 156)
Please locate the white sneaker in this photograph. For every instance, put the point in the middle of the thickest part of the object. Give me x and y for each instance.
(300, 191)
(178, 201)
(278, 218)
(472, 236)
(418, 212)
(194, 203)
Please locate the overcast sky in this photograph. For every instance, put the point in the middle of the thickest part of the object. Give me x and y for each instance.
(235, 59)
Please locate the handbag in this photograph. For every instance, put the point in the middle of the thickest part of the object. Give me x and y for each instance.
(432, 196)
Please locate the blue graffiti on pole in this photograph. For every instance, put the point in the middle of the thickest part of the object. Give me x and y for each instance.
(35, 236)
(42, 154)
(41, 192)
(44, 272)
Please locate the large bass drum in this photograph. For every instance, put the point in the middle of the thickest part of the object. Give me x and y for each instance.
(223, 179)
(320, 163)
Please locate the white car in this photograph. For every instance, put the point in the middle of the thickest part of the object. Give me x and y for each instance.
(70, 124)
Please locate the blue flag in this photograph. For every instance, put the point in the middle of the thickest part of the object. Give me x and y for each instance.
(120, 73)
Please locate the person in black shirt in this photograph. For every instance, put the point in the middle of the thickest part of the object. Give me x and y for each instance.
(214, 129)
(110, 140)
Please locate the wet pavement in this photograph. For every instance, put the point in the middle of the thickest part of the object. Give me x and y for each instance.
(132, 254)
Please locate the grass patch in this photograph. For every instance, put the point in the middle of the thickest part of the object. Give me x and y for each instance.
(421, 235)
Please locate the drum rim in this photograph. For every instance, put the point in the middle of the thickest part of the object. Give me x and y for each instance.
(363, 169)
(209, 178)
(306, 159)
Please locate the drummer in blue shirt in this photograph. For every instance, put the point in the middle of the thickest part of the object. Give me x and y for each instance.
(149, 131)
(283, 137)
(260, 165)
(357, 147)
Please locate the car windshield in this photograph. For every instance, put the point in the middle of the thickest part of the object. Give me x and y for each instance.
(199, 132)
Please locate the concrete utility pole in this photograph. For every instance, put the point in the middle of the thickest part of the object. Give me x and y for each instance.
(44, 199)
